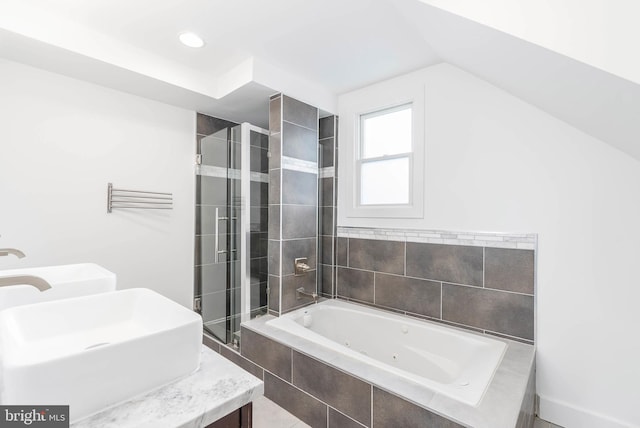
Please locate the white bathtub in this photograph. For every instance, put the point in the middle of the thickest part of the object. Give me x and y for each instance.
(449, 361)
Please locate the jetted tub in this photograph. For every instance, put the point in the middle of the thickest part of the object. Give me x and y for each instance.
(450, 361)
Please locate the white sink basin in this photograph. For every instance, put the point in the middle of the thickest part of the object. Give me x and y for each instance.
(66, 281)
(95, 351)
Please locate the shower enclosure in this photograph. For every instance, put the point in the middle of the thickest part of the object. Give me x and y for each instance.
(231, 225)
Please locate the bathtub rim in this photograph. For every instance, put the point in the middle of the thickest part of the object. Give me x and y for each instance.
(499, 407)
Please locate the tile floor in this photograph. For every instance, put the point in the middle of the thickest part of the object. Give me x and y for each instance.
(267, 414)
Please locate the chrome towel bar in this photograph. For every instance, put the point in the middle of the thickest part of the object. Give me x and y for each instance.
(137, 199)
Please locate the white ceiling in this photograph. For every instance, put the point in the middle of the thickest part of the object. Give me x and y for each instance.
(312, 50)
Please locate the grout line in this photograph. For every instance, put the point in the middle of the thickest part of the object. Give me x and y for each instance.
(484, 261)
(372, 405)
(405, 259)
(441, 290)
(298, 125)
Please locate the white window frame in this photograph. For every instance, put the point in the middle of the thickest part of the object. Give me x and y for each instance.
(353, 106)
(361, 160)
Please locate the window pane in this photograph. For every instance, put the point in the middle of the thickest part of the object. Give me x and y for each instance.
(386, 132)
(385, 182)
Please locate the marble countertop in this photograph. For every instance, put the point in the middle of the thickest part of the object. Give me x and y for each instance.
(216, 389)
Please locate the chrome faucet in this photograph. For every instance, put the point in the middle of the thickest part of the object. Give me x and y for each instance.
(35, 281)
(301, 292)
(6, 251)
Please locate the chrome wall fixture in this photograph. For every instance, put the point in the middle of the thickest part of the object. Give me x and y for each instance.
(137, 199)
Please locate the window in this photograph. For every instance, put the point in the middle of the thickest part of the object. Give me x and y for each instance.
(385, 154)
(381, 155)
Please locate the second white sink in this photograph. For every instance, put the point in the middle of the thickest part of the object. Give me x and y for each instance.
(66, 281)
(95, 351)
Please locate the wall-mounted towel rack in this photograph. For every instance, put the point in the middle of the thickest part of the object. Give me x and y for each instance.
(137, 199)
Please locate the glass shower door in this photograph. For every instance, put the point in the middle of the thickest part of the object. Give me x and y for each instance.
(219, 214)
(232, 185)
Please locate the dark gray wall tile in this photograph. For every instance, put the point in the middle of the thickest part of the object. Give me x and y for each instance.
(355, 284)
(299, 143)
(275, 148)
(326, 223)
(259, 219)
(274, 186)
(380, 256)
(299, 188)
(297, 112)
(326, 249)
(303, 406)
(258, 139)
(258, 269)
(509, 269)
(451, 263)
(326, 128)
(326, 283)
(341, 251)
(275, 114)
(207, 125)
(419, 296)
(259, 196)
(274, 257)
(326, 192)
(340, 390)
(274, 294)
(296, 248)
(338, 420)
(241, 361)
(326, 152)
(258, 244)
(267, 353)
(290, 284)
(299, 221)
(258, 160)
(498, 311)
(392, 411)
(274, 221)
(258, 295)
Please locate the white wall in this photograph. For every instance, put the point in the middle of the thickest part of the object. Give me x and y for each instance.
(495, 163)
(601, 33)
(61, 142)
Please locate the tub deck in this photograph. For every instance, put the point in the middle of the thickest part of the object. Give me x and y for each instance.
(507, 401)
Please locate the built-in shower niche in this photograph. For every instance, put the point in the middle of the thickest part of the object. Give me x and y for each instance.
(231, 224)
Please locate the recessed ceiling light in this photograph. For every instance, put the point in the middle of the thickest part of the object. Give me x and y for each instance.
(191, 39)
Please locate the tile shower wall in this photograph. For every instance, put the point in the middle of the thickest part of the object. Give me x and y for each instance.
(327, 197)
(293, 200)
(477, 287)
(259, 219)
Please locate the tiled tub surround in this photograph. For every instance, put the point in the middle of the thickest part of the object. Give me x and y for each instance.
(479, 287)
(293, 200)
(326, 388)
(327, 197)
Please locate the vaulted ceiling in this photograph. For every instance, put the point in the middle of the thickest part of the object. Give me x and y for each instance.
(315, 50)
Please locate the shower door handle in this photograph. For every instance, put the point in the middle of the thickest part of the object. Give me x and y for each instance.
(216, 246)
(216, 238)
